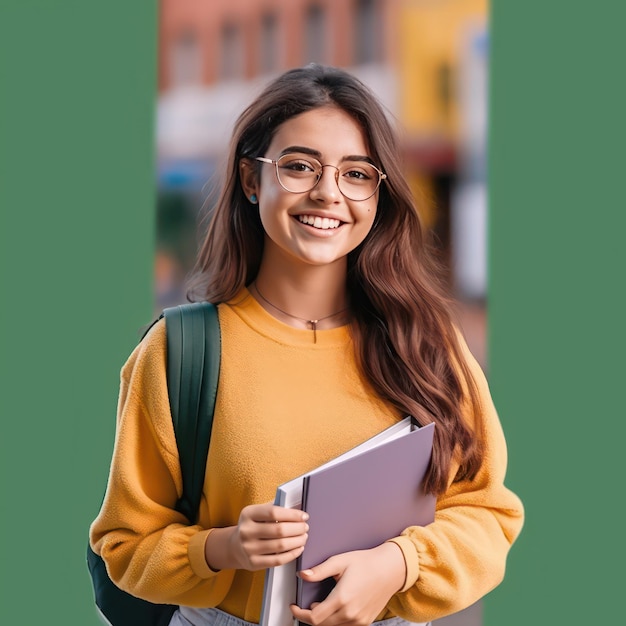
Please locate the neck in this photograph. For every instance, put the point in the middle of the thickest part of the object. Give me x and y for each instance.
(314, 303)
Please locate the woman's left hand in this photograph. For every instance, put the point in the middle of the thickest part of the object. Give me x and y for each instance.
(366, 579)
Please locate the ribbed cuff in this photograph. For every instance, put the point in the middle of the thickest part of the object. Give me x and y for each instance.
(197, 558)
(411, 560)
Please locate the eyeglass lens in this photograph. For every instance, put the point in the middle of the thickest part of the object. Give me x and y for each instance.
(299, 173)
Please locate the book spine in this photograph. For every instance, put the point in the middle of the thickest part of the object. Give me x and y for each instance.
(305, 493)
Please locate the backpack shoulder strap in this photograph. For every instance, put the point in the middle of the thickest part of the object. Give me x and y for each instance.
(193, 357)
(193, 363)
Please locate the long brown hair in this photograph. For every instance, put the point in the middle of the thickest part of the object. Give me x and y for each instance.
(404, 337)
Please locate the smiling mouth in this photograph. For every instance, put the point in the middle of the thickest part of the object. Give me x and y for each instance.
(324, 223)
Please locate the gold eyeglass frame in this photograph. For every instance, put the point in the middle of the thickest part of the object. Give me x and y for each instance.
(381, 175)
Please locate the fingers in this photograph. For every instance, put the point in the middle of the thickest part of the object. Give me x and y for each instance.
(331, 612)
(303, 615)
(366, 579)
(253, 531)
(269, 512)
(271, 523)
(269, 535)
(313, 616)
(331, 607)
(273, 547)
(332, 567)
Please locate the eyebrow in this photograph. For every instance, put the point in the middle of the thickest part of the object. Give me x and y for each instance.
(318, 155)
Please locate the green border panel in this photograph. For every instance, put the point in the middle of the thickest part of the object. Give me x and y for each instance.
(556, 305)
(77, 196)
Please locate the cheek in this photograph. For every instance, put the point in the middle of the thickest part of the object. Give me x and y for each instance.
(266, 218)
(272, 218)
(270, 197)
(369, 216)
(268, 185)
(370, 219)
(365, 225)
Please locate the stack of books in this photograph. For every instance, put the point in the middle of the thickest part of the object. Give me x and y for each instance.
(355, 502)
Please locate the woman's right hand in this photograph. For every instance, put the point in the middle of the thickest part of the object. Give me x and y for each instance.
(265, 536)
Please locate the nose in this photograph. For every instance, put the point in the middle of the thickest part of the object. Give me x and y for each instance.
(327, 188)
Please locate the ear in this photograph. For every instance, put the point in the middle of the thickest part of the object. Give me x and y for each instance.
(249, 178)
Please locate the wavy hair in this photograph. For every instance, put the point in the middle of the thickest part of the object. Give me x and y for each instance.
(406, 343)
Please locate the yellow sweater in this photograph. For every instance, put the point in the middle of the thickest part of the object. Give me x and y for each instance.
(284, 406)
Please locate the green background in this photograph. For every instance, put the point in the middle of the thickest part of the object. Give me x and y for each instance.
(556, 304)
(77, 92)
(77, 196)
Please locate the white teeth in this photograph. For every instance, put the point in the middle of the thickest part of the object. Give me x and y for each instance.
(324, 223)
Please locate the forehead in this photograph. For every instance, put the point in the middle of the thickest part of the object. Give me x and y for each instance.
(329, 130)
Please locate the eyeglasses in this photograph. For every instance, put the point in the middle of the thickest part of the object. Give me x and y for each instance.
(299, 173)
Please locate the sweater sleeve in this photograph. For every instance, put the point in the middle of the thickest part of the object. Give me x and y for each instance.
(461, 556)
(149, 548)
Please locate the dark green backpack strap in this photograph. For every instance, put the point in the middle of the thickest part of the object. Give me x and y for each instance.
(193, 347)
(193, 363)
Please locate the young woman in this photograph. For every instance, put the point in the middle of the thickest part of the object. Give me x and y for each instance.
(334, 326)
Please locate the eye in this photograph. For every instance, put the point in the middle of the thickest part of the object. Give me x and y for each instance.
(358, 172)
(298, 165)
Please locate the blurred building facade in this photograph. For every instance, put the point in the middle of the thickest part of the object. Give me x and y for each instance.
(210, 42)
(425, 59)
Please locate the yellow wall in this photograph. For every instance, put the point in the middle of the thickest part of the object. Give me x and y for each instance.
(431, 33)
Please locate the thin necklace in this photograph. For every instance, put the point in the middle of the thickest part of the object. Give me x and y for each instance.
(313, 323)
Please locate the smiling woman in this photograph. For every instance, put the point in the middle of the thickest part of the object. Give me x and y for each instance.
(334, 327)
(300, 198)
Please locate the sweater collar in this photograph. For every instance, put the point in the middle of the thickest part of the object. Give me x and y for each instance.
(246, 307)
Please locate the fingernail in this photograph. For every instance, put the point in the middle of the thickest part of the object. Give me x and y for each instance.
(307, 572)
(305, 516)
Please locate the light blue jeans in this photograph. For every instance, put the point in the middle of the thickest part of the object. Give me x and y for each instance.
(187, 616)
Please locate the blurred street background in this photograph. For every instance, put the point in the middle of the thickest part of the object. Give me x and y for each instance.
(425, 59)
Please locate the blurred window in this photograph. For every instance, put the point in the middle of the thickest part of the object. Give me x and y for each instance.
(186, 60)
(232, 57)
(315, 35)
(268, 61)
(367, 48)
(445, 78)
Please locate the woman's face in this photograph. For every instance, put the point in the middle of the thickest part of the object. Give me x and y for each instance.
(320, 226)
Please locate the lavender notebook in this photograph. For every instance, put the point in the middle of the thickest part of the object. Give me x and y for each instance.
(364, 500)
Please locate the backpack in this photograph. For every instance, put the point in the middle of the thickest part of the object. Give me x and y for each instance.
(193, 360)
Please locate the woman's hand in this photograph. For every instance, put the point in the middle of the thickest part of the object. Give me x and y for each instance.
(265, 536)
(366, 579)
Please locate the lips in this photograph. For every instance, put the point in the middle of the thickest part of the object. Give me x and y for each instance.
(323, 223)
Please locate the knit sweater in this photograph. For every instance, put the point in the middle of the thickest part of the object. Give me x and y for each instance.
(284, 406)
